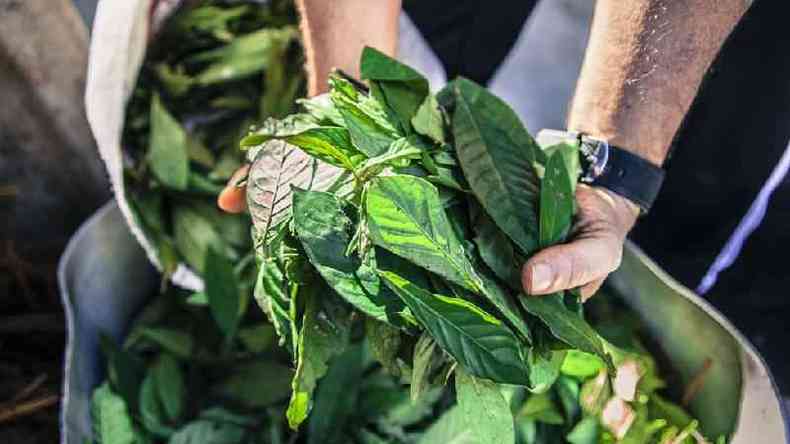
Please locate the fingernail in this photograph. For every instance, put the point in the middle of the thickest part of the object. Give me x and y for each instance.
(542, 277)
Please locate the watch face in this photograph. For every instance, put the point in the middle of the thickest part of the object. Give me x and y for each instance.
(595, 156)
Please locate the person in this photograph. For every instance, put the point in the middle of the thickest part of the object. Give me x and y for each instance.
(644, 62)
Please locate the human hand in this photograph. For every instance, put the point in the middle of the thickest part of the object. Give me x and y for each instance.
(595, 249)
(233, 199)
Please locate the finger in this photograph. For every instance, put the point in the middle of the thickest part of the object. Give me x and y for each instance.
(571, 265)
(589, 290)
(233, 199)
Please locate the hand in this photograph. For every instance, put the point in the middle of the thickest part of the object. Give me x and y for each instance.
(233, 199)
(603, 221)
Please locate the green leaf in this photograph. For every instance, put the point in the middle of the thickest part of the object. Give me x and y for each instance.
(405, 216)
(478, 341)
(422, 366)
(581, 365)
(335, 398)
(276, 168)
(151, 412)
(112, 423)
(484, 409)
(541, 408)
(282, 84)
(257, 338)
(595, 393)
(222, 291)
(257, 384)
(198, 298)
(367, 437)
(586, 431)
(544, 368)
(429, 120)
(195, 235)
(124, 370)
(272, 295)
(244, 56)
(451, 428)
(214, 20)
(383, 402)
(556, 199)
(167, 148)
(384, 341)
(496, 250)
(233, 228)
(322, 109)
(177, 342)
(364, 117)
(497, 155)
(199, 152)
(169, 382)
(331, 144)
(209, 432)
(564, 324)
(322, 227)
(320, 339)
(568, 390)
(673, 413)
(221, 414)
(398, 154)
(399, 88)
(173, 79)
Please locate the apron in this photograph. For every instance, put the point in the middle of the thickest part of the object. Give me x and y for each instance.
(721, 224)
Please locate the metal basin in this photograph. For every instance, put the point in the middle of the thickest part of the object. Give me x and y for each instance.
(104, 278)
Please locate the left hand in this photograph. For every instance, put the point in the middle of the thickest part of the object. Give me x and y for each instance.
(233, 199)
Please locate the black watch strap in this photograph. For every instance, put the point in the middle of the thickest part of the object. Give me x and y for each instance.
(612, 167)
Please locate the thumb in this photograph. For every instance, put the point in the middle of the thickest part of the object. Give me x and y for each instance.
(572, 265)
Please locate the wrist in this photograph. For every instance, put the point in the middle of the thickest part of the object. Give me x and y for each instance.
(619, 211)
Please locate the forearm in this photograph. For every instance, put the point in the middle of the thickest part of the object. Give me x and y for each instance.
(643, 66)
(336, 31)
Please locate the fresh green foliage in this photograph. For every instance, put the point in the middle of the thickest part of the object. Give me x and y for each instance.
(112, 423)
(222, 291)
(484, 409)
(214, 69)
(497, 157)
(480, 342)
(437, 201)
(168, 148)
(390, 225)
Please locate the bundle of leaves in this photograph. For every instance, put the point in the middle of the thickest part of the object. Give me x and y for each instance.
(216, 67)
(385, 205)
(182, 377)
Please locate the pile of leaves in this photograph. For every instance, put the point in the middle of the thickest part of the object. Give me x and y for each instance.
(410, 213)
(182, 376)
(215, 68)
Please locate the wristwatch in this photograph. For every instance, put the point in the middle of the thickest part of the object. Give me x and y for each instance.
(611, 167)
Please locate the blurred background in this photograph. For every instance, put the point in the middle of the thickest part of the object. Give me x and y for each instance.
(51, 179)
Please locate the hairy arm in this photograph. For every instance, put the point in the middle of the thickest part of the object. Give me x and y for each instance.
(336, 31)
(644, 63)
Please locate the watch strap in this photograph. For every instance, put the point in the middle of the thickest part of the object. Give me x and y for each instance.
(612, 167)
(632, 177)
